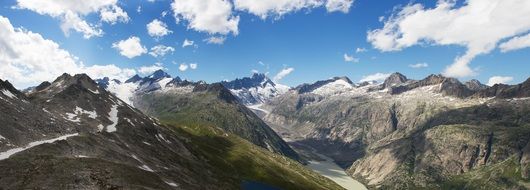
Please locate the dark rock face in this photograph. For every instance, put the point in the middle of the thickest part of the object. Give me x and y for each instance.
(475, 85)
(394, 79)
(133, 79)
(257, 79)
(506, 91)
(448, 86)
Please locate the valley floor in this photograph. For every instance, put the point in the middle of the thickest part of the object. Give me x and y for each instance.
(319, 163)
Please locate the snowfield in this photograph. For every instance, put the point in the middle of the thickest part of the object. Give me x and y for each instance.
(10, 152)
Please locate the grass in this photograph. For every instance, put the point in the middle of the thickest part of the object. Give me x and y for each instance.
(236, 160)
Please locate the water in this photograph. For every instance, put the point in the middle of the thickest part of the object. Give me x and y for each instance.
(329, 169)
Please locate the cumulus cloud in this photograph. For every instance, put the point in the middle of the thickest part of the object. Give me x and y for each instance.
(266, 8)
(282, 74)
(418, 65)
(27, 59)
(187, 43)
(147, 70)
(477, 25)
(350, 58)
(278, 8)
(339, 5)
(160, 50)
(183, 67)
(186, 66)
(157, 28)
(211, 16)
(130, 47)
(113, 14)
(516, 43)
(215, 40)
(499, 80)
(71, 13)
(375, 77)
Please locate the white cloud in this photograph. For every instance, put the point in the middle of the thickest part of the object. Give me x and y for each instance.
(499, 80)
(278, 8)
(157, 28)
(113, 14)
(350, 58)
(211, 16)
(360, 50)
(186, 66)
(516, 43)
(193, 65)
(147, 70)
(183, 67)
(111, 71)
(254, 71)
(215, 40)
(130, 47)
(283, 73)
(477, 25)
(339, 5)
(27, 59)
(187, 43)
(161, 50)
(266, 8)
(139, 9)
(71, 13)
(419, 65)
(72, 21)
(375, 77)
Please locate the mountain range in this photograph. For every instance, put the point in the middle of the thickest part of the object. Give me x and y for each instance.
(73, 134)
(163, 132)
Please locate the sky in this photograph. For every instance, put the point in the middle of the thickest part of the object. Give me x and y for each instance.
(292, 41)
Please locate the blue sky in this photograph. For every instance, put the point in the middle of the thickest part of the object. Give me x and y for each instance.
(312, 40)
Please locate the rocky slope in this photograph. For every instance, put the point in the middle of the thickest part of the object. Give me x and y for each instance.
(71, 134)
(403, 133)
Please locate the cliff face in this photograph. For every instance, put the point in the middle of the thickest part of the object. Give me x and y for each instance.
(436, 133)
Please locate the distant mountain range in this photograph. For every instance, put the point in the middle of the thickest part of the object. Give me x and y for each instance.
(406, 134)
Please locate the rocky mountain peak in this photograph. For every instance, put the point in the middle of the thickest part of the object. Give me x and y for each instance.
(475, 85)
(134, 79)
(344, 78)
(257, 80)
(159, 74)
(42, 86)
(394, 79)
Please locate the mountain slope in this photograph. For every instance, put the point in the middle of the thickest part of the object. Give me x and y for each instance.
(106, 144)
(406, 133)
(164, 97)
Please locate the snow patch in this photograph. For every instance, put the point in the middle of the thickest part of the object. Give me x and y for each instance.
(258, 107)
(8, 94)
(163, 82)
(8, 153)
(113, 117)
(146, 168)
(161, 138)
(337, 86)
(171, 184)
